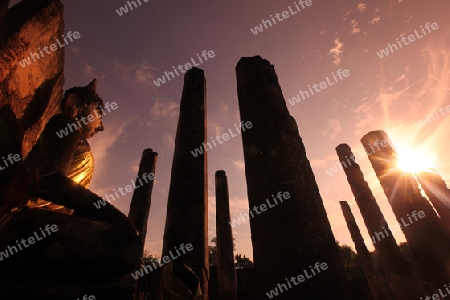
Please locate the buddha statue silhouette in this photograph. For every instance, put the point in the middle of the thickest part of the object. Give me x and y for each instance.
(50, 187)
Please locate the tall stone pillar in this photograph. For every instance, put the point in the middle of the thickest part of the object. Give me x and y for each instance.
(435, 188)
(426, 235)
(392, 263)
(226, 272)
(142, 196)
(187, 207)
(379, 290)
(289, 225)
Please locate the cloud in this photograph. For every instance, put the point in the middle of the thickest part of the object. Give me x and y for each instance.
(168, 140)
(144, 74)
(346, 14)
(238, 164)
(375, 20)
(355, 28)
(161, 113)
(361, 7)
(74, 49)
(92, 72)
(164, 109)
(140, 73)
(336, 52)
(325, 163)
(335, 129)
(104, 140)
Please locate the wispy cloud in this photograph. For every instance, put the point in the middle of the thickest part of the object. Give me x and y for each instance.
(361, 7)
(336, 51)
(335, 128)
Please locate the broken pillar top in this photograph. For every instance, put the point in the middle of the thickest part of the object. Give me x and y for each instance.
(221, 173)
(194, 74)
(257, 64)
(344, 149)
(371, 142)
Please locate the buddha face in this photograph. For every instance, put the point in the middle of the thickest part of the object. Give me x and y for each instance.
(84, 104)
(91, 119)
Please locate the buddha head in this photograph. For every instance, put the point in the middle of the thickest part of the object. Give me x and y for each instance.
(84, 104)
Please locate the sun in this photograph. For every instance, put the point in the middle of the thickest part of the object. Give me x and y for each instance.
(413, 161)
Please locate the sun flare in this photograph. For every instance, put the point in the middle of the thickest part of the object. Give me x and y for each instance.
(414, 161)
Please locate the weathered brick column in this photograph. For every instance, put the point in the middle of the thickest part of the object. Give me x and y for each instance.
(294, 234)
(187, 207)
(392, 263)
(226, 272)
(426, 235)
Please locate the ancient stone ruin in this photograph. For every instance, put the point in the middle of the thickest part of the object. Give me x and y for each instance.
(428, 238)
(294, 249)
(296, 230)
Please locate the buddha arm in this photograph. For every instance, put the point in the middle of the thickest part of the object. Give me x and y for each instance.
(54, 158)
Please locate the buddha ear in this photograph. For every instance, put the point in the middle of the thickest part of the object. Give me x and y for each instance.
(93, 85)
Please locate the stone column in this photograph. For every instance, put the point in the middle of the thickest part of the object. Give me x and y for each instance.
(379, 291)
(226, 272)
(426, 236)
(289, 225)
(187, 207)
(142, 196)
(392, 264)
(435, 188)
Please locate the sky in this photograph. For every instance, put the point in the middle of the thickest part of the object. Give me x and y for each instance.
(391, 93)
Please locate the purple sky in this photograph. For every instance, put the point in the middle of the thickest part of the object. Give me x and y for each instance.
(126, 53)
